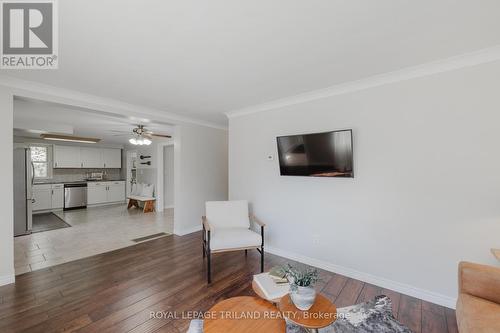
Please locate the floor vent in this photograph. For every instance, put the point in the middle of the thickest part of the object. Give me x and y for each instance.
(161, 234)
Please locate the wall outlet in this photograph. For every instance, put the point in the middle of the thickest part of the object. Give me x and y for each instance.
(270, 157)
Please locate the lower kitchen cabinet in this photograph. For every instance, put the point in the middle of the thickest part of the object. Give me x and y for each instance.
(96, 193)
(116, 191)
(47, 196)
(57, 196)
(105, 192)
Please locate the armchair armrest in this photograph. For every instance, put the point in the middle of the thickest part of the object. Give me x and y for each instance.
(256, 220)
(479, 280)
(205, 224)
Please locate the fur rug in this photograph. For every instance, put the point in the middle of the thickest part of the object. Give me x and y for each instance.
(372, 316)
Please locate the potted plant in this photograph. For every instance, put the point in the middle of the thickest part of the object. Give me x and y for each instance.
(302, 283)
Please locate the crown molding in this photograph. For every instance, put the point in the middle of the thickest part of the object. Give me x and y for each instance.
(445, 65)
(40, 91)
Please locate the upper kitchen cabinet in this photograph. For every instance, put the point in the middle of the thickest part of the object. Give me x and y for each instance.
(67, 157)
(112, 158)
(91, 157)
(86, 157)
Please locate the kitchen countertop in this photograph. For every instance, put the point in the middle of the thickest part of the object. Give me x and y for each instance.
(79, 181)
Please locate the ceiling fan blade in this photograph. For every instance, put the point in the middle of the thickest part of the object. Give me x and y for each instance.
(124, 134)
(160, 135)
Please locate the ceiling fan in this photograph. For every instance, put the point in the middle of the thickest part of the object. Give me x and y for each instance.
(142, 136)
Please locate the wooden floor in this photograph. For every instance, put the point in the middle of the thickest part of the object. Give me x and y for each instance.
(117, 291)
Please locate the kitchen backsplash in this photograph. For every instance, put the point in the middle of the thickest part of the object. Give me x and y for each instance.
(71, 175)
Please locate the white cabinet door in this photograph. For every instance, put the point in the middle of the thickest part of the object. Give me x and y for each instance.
(116, 191)
(91, 157)
(43, 197)
(112, 158)
(67, 157)
(96, 193)
(57, 196)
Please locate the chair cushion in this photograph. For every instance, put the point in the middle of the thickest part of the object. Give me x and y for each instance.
(234, 238)
(147, 190)
(139, 198)
(136, 189)
(227, 214)
(477, 315)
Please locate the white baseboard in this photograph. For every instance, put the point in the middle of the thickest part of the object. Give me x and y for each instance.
(403, 288)
(187, 230)
(7, 279)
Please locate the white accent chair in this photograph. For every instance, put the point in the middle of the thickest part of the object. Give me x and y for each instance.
(226, 227)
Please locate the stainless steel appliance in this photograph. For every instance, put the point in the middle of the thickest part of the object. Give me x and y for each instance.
(75, 196)
(23, 191)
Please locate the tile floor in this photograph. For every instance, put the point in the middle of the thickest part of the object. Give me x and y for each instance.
(93, 230)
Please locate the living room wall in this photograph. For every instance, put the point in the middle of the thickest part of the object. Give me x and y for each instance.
(426, 191)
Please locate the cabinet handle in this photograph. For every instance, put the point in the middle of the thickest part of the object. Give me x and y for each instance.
(52, 192)
(56, 164)
(104, 164)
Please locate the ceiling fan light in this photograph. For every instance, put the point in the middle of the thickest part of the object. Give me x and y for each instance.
(146, 141)
(133, 141)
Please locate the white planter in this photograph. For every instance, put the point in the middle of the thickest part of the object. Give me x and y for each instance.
(303, 297)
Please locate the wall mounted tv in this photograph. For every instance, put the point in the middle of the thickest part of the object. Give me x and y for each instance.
(327, 154)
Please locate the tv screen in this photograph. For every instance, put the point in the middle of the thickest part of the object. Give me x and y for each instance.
(316, 155)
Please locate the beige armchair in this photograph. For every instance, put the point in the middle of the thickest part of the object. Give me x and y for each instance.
(226, 227)
(478, 304)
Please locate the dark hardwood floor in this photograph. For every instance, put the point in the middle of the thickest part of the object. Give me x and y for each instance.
(117, 291)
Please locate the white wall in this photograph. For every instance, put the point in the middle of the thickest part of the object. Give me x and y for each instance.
(168, 176)
(6, 190)
(200, 158)
(426, 192)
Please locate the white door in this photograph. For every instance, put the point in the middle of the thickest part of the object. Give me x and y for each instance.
(116, 191)
(96, 193)
(57, 196)
(43, 198)
(67, 157)
(112, 158)
(91, 157)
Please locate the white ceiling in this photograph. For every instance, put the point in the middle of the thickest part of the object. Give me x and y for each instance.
(203, 58)
(31, 118)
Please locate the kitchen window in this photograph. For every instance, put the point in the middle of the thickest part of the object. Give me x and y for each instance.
(41, 159)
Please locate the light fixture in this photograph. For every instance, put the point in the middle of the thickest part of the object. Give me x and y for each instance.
(69, 138)
(140, 140)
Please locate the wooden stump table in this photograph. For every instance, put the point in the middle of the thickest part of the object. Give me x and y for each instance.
(323, 313)
(244, 314)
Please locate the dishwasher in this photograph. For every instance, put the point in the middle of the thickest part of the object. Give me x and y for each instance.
(75, 196)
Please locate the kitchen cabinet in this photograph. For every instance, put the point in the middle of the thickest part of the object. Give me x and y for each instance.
(48, 196)
(86, 157)
(42, 195)
(67, 157)
(91, 157)
(105, 192)
(96, 193)
(57, 196)
(112, 158)
(116, 191)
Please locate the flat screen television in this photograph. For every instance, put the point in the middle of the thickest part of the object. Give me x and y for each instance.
(327, 154)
